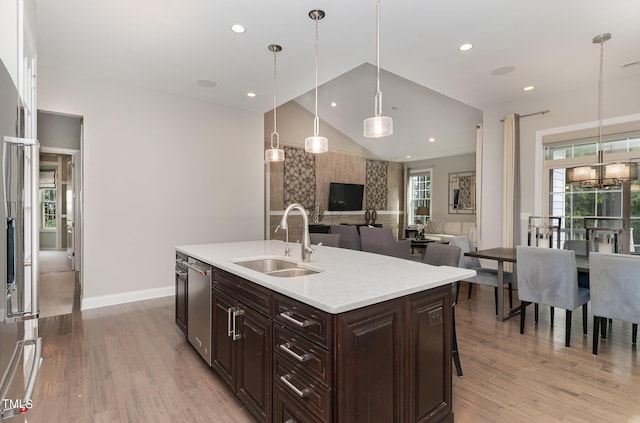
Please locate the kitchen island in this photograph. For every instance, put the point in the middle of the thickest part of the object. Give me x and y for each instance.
(363, 338)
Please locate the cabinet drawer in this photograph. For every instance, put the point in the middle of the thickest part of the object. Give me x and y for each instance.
(247, 292)
(286, 409)
(299, 388)
(316, 361)
(304, 320)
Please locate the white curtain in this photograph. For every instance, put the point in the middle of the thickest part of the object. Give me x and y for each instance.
(511, 182)
(478, 239)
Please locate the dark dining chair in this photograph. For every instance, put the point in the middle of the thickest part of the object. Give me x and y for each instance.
(437, 254)
(382, 241)
(483, 276)
(615, 291)
(550, 277)
(349, 236)
(328, 240)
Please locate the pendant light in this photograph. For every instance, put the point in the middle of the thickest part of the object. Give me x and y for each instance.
(275, 153)
(316, 143)
(378, 126)
(602, 175)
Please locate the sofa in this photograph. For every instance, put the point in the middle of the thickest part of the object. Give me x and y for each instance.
(444, 230)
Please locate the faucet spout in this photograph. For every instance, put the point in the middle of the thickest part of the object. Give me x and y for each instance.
(305, 241)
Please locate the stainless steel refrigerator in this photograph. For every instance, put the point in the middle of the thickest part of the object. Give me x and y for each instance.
(20, 346)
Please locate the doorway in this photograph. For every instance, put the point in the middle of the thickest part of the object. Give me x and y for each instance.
(60, 186)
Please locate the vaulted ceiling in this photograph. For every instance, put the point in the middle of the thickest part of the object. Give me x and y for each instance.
(170, 45)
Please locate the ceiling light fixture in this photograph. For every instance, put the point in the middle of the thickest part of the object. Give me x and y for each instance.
(528, 88)
(275, 153)
(465, 47)
(316, 143)
(602, 175)
(432, 139)
(251, 94)
(378, 126)
(238, 29)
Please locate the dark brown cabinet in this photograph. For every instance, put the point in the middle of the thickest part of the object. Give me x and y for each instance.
(241, 347)
(181, 293)
(290, 362)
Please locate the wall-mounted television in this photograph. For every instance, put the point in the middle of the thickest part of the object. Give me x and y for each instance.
(345, 197)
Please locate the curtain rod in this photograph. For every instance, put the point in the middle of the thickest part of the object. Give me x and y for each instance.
(531, 114)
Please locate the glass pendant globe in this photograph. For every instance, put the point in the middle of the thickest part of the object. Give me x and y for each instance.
(378, 126)
(274, 155)
(316, 144)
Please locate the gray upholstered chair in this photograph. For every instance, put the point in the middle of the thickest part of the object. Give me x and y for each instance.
(577, 245)
(349, 237)
(483, 276)
(581, 248)
(382, 241)
(328, 240)
(615, 291)
(438, 254)
(550, 277)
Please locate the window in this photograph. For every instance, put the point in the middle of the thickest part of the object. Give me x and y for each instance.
(574, 203)
(48, 208)
(419, 195)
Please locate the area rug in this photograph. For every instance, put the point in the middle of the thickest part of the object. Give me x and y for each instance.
(56, 293)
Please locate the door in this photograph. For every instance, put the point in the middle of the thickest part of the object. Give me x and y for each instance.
(71, 254)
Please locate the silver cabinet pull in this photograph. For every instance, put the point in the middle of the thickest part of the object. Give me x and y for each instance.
(235, 334)
(229, 329)
(285, 379)
(301, 358)
(287, 316)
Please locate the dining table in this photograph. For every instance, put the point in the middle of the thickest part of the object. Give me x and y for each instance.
(508, 255)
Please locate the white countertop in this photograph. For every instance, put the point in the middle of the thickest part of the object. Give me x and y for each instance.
(349, 279)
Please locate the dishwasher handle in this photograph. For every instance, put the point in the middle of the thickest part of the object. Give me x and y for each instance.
(203, 272)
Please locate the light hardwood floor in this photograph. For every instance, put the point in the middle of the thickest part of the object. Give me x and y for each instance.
(130, 363)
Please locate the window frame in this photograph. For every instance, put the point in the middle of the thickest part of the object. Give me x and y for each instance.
(427, 200)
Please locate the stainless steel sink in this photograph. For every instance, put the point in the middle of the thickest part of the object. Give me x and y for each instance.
(276, 267)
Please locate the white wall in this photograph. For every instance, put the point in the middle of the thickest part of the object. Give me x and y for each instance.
(159, 171)
(440, 186)
(620, 98)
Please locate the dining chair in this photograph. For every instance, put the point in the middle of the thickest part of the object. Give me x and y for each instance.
(382, 241)
(349, 237)
(615, 291)
(550, 277)
(327, 240)
(483, 276)
(437, 254)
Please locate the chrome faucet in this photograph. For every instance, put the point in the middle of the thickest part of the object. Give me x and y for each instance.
(305, 242)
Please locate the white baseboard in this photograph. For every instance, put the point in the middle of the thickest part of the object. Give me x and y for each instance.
(127, 297)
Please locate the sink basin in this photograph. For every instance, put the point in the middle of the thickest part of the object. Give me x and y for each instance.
(276, 267)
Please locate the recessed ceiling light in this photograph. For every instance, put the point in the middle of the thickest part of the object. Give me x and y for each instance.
(528, 88)
(334, 104)
(207, 83)
(408, 157)
(251, 94)
(238, 29)
(432, 139)
(465, 47)
(503, 70)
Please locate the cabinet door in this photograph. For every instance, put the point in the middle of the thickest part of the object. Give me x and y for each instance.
(223, 358)
(370, 353)
(181, 299)
(254, 362)
(429, 356)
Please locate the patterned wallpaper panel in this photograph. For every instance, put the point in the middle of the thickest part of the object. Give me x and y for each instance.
(299, 177)
(376, 185)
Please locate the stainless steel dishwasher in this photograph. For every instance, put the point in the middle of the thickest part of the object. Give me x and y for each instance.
(199, 307)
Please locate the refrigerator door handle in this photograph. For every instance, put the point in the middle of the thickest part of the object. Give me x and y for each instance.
(19, 406)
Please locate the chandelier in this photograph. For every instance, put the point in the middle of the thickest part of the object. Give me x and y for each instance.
(601, 174)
